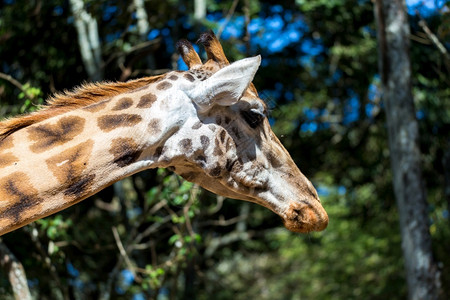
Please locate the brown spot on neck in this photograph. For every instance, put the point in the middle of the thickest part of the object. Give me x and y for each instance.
(197, 125)
(110, 122)
(204, 140)
(19, 200)
(5, 143)
(123, 103)
(189, 77)
(125, 151)
(46, 136)
(69, 165)
(186, 145)
(164, 85)
(7, 159)
(212, 127)
(80, 188)
(146, 101)
(154, 126)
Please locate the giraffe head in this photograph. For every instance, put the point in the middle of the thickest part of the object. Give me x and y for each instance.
(207, 124)
(227, 145)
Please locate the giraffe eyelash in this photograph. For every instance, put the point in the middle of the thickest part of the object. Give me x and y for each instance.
(270, 102)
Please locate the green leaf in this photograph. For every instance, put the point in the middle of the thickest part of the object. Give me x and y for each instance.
(173, 239)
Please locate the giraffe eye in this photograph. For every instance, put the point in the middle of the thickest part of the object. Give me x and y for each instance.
(252, 117)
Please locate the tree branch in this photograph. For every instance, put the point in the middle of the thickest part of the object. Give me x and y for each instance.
(435, 40)
(124, 254)
(16, 83)
(33, 233)
(16, 273)
(227, 19)
(11, 80)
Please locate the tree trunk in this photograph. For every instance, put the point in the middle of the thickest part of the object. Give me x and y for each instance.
(395, 69)
(446, 165)
(143, 30)
(16, 274)
(142, 19)
(88, 40)
(199, 10)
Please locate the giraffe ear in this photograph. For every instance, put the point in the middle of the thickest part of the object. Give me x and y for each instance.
(226, 86)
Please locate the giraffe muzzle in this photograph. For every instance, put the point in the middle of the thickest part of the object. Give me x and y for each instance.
(305, 216)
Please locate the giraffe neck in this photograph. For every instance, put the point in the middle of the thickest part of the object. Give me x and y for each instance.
(55, 163)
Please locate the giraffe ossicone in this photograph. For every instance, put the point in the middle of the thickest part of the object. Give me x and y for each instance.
(207, 124)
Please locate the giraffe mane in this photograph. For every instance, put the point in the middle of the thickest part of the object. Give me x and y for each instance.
(82, 96)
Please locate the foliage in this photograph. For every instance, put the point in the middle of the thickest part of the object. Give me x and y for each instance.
(318, 77)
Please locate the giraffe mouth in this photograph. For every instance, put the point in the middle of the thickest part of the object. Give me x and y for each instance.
(304, 217)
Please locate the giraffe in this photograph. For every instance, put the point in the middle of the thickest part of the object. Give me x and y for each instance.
(207, 124)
